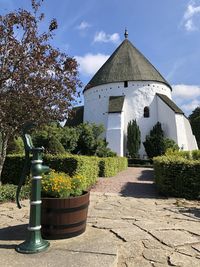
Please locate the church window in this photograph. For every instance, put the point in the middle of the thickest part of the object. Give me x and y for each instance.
(125, 83)
(146, 112)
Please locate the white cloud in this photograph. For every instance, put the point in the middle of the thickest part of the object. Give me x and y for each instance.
(189, 107)
(189, 26)
(83, 25)
(186, 96)
(191, 10)
(106, 38)
(191, 16)
(90, 63)
(186, 91)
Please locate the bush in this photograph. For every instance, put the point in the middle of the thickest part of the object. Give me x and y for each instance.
(154, 143)
(177, 176)
(133, 138)
(75, 165)
(15, 146)
(196, 154)
(54, 146)
(8, 192)
(170, 144)
(89, 167)
(111, 166)
(12, 169)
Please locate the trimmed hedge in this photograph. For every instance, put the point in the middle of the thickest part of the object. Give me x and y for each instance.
(177, 176)
(72, 165)
(12, 169)
(111, 166)
(83, 165)
(90, 167)
(8, 192)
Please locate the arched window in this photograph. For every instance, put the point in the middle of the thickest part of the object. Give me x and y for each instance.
(146, 112)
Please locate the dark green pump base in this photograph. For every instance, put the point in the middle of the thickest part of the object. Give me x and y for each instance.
(34, 244)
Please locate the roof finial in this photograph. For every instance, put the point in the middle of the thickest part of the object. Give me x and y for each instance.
(126, 34)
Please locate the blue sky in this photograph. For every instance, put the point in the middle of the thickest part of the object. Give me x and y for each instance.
(166, 32)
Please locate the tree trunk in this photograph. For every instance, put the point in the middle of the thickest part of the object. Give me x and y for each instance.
(3, 149)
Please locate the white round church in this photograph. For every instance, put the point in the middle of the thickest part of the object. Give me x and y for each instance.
(129, 87)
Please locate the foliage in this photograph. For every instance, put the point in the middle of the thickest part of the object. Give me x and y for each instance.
(15, 146)
(170, 144)
(194, 119)
(12, 169)
(75, 165)
(178, 153)
(61, 185)
(89, 167)
(84, 139)
(69, 138)
(111, 166)
(54, 146)
(137, 162)
(177, 176)
(133, 138)
(154, 143)
(8, 192)
(196, 154)
(37, 82)
(90, 141)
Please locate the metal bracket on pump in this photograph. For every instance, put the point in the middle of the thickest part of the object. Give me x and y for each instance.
(34, 242)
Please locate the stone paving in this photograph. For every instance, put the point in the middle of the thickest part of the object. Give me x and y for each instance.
(149, 232)
(124, 229)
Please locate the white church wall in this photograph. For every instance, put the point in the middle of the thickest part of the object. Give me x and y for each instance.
(114, 133)
(181, 132)
(186, 139)
(167, 117)
(137, 95)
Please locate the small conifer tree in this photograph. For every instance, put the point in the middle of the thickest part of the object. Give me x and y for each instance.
(154, 143)
(133, 138)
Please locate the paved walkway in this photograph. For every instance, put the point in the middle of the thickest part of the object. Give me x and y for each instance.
(125, 229)
(133, 182)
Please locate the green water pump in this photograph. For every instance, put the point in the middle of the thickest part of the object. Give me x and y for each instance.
(34, 242)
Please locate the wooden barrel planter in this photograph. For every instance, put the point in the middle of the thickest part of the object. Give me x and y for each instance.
(64, 217)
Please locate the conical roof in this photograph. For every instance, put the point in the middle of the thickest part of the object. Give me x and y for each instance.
(126, 64)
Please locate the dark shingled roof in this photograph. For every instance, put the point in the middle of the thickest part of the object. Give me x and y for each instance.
(170, 103)
(76, 117)
(126, 64)
(115, 104)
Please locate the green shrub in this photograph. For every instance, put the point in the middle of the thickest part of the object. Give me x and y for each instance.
(54, 146)
(196, 154)
(8, 192)
(154, 142)
(177, 176)
(133, 138)
(111, 166)
(75, 165)
(170, 144)
(89, 167)
(12, 169)
(15, 146)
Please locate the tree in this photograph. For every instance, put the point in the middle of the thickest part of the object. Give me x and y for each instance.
(154, 143)
(37, 82)
(194, 119)
(133, 138)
